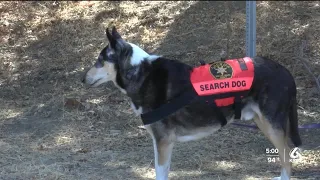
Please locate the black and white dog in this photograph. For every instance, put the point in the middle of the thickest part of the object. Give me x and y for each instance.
(151, 81)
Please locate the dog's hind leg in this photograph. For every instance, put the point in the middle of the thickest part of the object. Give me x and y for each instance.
(163, 151)
(279, 139)
(163, 147)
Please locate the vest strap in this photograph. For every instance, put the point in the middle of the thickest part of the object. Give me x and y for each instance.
(187, 97)
(237, 107)
(168, 108)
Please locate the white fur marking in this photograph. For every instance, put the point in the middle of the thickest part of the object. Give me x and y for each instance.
(196, 136)
(247, 115)
(139, 55)
(249, 111)
(152, 57)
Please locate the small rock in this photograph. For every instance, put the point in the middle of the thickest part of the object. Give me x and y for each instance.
(73, 104)
(82, 150)
(41, 148)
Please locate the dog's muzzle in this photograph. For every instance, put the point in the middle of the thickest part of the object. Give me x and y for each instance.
(84, 77)
(89, 80)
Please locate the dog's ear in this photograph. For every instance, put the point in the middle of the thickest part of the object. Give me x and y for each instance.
(115, 33)
(115, 39)
(111, 39)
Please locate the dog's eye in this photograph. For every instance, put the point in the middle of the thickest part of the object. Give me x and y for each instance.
(110, 55)
(101, 61)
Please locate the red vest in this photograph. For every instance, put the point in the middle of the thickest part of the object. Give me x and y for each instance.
(219, 77)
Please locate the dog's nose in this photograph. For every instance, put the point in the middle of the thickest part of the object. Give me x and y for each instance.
(84, 77)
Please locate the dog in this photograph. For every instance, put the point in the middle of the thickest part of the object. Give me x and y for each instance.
(151, 81)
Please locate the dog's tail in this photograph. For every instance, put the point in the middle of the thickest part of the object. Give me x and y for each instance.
(293, 124)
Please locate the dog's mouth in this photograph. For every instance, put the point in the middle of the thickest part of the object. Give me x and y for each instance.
(94, 84)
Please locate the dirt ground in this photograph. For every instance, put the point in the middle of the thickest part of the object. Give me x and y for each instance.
(45, 133)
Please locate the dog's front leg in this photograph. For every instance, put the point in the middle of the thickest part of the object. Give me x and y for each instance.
(162, 155)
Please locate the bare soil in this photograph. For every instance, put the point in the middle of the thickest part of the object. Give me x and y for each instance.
(53, 127)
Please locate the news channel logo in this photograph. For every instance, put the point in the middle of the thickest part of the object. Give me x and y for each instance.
(273, 155)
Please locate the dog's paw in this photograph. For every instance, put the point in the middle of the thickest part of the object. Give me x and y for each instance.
(276, 178)
(283, 176)
(280, 178)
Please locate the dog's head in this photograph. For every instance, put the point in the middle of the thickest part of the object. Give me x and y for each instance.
(122, 62)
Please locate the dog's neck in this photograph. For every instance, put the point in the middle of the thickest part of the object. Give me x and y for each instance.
(166, 80)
